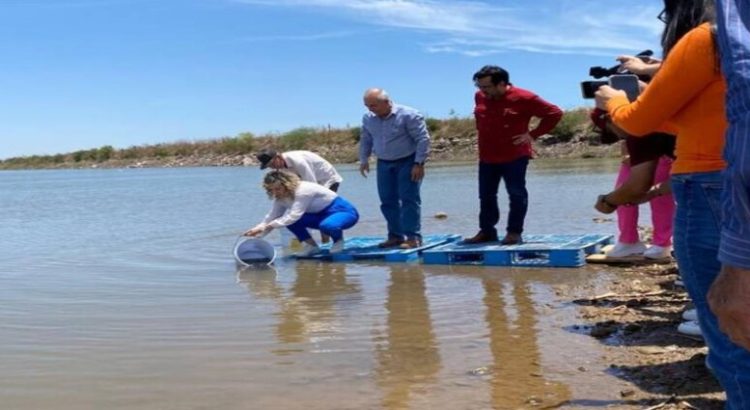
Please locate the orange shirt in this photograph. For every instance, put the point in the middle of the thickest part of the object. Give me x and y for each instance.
(688, 93)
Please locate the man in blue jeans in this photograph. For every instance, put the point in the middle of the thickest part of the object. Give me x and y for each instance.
(503, 112)
(398, 136)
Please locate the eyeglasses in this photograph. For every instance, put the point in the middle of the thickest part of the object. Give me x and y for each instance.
(662, 16)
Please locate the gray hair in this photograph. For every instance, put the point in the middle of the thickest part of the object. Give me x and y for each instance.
(378, 93)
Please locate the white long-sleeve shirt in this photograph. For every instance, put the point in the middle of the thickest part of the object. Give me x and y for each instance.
(308, 198)
(311, 167)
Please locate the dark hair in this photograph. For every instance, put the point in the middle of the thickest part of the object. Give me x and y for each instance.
(498, 74)
(683, 16)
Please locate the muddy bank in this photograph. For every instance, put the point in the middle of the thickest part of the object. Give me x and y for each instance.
(636, 321)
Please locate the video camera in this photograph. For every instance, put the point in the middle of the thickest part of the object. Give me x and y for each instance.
(618, 79)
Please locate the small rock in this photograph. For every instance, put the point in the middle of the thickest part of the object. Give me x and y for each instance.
(441, 215)
(627, 393)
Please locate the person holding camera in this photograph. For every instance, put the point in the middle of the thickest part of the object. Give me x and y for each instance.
(689, 92)
(646, 163)
(503, 112)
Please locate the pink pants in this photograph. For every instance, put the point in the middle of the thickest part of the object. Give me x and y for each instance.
(662, 209)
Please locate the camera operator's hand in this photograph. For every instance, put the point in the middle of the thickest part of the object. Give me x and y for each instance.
(524, 138)
(606, 93)
(637, 66)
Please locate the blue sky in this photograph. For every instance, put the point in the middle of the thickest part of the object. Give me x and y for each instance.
(79, 74)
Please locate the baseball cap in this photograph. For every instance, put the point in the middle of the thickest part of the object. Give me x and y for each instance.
(265, 156)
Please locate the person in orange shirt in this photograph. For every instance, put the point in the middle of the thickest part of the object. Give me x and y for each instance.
(688, 93)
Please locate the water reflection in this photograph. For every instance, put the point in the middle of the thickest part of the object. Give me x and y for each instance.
(517, 380)
(260, 281)
(308, 308)
(407, 355)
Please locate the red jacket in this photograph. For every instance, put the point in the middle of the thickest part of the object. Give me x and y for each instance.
(498, 121)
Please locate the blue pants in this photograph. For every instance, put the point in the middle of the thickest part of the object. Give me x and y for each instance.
(514, 175)
(332, 220)
(696, 246)
(400, 202)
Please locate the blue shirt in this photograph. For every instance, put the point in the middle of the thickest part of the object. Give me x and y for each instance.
(402, 133)
(734, 42)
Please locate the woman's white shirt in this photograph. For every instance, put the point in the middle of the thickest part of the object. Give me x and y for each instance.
(308, 198)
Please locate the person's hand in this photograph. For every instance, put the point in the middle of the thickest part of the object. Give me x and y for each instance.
(417, 172)
(642, 86)
(256, 231)
(729, 299)
(606, 93)
(364, 169)
(524, 138)
(602, 206)
(633, 64)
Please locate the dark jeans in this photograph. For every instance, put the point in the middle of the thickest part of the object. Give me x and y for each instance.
(696, 246)
(514, 175)
(400, 202)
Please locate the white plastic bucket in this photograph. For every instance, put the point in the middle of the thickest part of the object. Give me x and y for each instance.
(254, 251)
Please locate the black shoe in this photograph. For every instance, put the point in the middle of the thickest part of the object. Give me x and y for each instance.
(511, 239)
(480, 237)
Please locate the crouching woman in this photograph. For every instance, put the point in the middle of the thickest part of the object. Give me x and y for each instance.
(300, 205)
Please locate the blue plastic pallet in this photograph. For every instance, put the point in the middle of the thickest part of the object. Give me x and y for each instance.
(366, 248)
(536, 250)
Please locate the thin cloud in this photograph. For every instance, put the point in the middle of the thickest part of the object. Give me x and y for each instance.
(480, 28)
(301, 37)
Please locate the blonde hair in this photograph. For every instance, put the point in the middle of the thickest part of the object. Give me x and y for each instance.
(288, 181)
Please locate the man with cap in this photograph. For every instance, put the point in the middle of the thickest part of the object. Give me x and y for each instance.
(309, 166)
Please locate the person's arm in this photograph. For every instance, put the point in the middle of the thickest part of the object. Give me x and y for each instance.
(365, 149)
(729, 299)
(637, 66)
(632, 191)
(305, 171)
(548, 113)
(686, 72)
(417, 128)
(263, 227)
(293, 213)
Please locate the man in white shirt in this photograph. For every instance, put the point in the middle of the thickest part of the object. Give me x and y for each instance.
(309, 166)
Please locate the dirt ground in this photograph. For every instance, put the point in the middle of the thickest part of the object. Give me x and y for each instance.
(636, 320)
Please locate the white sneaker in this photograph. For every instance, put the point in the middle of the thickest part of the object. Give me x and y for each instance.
(337, 246)
(308, 250)
(658, 252)
(622, 250)
(690, 314)
(690, 327)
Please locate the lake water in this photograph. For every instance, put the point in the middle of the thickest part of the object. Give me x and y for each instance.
(118, 290)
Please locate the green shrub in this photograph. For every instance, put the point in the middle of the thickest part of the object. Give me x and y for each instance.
(297, 138)
(433, 124)
(570, 124)
(356, 133)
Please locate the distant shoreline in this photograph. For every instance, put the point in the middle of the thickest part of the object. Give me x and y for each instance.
(453, 139)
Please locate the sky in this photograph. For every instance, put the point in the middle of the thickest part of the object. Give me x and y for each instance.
(81, 74)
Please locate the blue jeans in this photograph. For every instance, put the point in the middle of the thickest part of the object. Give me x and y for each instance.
(696, 245)
(514, 175)
(332, 220)
(400, 202)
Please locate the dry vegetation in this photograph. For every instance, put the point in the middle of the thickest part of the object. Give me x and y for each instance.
(453, 139)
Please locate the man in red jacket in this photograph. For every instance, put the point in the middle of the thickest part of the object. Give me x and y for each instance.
(502, 113)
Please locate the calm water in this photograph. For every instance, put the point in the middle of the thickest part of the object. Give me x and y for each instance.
(118, 290)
